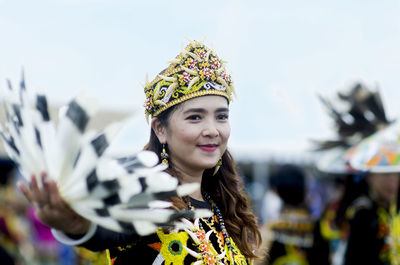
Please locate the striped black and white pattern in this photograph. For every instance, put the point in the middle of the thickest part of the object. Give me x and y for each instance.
(126, 194)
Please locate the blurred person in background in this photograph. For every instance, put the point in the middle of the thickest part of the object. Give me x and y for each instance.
(332, 228)
(288, 238)
(15, 245)
(374, 228)
(272, 203)
(357, 113)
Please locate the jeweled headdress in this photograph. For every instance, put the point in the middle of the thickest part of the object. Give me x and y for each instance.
(196, 71)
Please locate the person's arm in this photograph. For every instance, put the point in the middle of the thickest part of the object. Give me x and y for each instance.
(96, 239)
(104, 238)
(52, 210)
(68, 226)
(74, 240)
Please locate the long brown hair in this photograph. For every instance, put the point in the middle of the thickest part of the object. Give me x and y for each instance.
(226, 190)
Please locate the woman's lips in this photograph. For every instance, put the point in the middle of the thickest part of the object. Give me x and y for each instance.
(208, 147)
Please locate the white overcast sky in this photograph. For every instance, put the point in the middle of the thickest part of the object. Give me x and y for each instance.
(281, 54)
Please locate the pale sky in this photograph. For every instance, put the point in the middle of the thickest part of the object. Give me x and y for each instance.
(281, 54)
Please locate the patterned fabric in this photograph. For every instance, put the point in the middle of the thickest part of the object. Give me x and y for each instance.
(379, 153)
(292, 237)
(180, 247)
(86, 256)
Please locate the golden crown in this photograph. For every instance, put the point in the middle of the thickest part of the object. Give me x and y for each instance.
(196, 71)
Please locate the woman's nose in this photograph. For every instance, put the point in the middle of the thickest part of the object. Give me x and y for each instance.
(210, 130)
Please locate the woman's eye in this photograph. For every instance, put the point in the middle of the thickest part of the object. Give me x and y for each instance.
(194, 117)
(222, 116)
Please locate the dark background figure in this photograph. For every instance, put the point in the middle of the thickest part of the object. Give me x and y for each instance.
(289, 238)
(332, 228)
(363, 116)
(8, 242)
(372, 235)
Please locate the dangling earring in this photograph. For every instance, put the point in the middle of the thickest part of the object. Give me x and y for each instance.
(217, 166)
(164, 155)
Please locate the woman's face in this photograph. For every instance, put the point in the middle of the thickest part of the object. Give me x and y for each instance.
(385, 185)
(198, 132)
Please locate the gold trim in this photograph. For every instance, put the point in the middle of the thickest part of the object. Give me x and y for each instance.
(190, 96)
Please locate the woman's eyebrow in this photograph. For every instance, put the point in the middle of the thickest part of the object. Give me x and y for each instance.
(222, 110)
(201, 110)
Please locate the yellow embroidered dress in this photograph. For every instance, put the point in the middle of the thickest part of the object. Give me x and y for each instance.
(202, 243)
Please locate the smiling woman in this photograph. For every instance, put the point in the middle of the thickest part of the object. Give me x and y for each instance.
(197, 135)
(188, 104)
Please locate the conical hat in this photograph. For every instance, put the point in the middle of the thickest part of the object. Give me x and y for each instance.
(378, 153)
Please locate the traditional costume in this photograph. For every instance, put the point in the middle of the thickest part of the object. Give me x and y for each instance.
(358, 114)
(196, 71)
(288, 238)
(292, 237)
(126, 195)
(374, 230)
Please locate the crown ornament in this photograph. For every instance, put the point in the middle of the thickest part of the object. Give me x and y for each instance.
(196, 71)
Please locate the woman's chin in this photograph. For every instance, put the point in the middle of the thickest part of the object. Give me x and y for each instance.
(209, 165)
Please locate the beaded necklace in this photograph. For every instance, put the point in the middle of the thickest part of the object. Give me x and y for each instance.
(217, 213)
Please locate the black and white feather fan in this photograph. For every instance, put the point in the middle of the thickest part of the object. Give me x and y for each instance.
(122, 194)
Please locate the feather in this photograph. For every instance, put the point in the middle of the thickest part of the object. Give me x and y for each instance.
(190, 71)
(193, 81)
(159, 102)
(195, 56)
(168, 78)
(362, 116)
(125, 194)
(157, 91)
(170, 89)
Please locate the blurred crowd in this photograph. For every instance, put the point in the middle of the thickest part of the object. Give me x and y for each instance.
(358, 223)
(24, 240)
(357, 177)
(327, 213)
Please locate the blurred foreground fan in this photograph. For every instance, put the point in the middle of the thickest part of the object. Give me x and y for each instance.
(124, 195)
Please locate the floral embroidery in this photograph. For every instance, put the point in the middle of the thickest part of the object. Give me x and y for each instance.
(208, 254)
(173, 247)
(184, 78)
